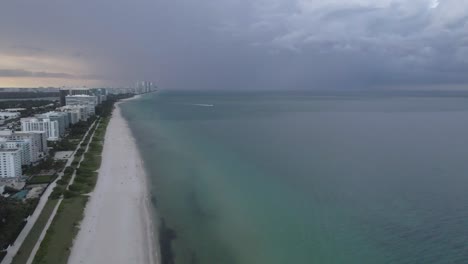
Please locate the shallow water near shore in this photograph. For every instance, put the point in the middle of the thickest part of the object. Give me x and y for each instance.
(288, 178)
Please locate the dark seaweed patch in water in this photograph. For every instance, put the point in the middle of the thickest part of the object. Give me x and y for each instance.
(195, 206)
(154, 201)
(193, 258)
(166, 236)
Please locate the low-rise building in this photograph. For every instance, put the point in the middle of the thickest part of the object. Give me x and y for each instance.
(9, 115)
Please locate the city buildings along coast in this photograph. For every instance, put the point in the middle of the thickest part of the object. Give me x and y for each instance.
(28, 145)
(42, 144)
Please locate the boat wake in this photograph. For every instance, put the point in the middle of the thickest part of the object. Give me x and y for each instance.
(204, 105)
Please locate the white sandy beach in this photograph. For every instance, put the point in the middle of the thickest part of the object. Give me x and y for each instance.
(117, 227)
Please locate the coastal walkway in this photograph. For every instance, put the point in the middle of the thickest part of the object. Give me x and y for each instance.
(52, 216)
(13, 249)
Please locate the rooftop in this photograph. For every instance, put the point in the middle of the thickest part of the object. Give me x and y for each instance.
(75, 106)
(5, 133)
(28, 132)
(14, 109)
(35, 119)
(80, 95)
(67, 89)
(52, 113)
(29, 119)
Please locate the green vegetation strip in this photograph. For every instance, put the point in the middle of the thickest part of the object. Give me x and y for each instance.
(28, 244)
(42, 179)
(86, 175)
(56, 246)
(12, 215)
(30, 241)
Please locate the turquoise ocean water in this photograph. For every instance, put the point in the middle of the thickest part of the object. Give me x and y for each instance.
(302, 178)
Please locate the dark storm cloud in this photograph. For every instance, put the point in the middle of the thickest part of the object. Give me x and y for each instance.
(24, 73)
(248, 44)
(20, 73)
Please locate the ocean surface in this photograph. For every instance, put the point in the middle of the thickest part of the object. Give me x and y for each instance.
(308, 178)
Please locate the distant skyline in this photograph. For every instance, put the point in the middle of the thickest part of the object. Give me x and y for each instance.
(235, 44)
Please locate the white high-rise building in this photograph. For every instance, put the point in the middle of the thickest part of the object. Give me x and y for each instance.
(60, 117)
(90, 101)
(38, 148)
(74, 116)
(72, 91)
(51, 128)
(79, 112)
(23, 145)
(10, 163)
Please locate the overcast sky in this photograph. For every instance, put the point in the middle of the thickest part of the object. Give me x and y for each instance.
(235, 44)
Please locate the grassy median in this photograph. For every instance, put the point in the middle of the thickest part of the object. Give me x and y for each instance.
(56, 246)
(25, 250)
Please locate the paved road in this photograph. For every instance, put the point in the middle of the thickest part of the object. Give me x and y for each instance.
(13, 249)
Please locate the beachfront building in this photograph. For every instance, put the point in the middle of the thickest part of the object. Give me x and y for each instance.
(32, 124)
(23, 145)
(144, 87)
(38, 148)
(76, 112)
(38, 141)
(90, 101)
(120, 90)
(64, 92)
(102, 98)
(60, 117)
(74, 116)
(10, 163)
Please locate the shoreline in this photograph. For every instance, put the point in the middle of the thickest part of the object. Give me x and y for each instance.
(118, 226)
(163, 234)
(153, 223)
